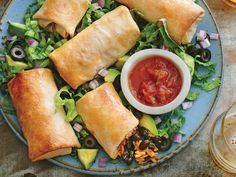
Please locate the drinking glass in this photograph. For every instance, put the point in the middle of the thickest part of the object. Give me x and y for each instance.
(222, 144)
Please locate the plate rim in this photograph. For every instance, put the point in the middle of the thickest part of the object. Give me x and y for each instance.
(139, 168)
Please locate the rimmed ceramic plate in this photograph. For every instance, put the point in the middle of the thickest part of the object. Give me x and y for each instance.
(196, 117)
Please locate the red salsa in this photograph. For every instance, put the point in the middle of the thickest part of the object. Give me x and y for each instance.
(155, 81)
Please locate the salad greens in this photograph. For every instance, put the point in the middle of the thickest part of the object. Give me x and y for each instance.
(24, 35)
(192, 95)
(64, 98)
(94, 13)
(38, 43)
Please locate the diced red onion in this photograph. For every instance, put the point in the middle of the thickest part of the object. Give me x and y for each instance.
(102, 162)
(177, 138)
(164, 47)
(32, 42)
(11, 38)
(37, 65)
(93, 84)
(96, 6)
(214, 36)
(77, 127)
(103, 72)
(101, 3)
(201, 35)
(157, 120)
(174, 121)
(205, 43)
(186, 105)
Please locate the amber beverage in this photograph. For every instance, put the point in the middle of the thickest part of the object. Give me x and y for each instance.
(222, 145)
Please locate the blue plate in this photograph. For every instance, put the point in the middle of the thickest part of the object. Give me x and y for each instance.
(196, 117)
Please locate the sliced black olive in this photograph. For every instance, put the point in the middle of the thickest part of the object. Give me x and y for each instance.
(65, 95)
(166, 143)
(193, 50)
(144, 133)
(205, 55)
(17, 53)
(90, 142)
(144, 144)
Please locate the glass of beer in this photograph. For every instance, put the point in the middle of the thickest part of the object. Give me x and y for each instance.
(230, 2)
(222, 144)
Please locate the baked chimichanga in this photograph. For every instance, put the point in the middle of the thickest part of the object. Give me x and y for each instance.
(96, 47)
(44, 127)
(61, 16)
(182, 15)
(106, 118)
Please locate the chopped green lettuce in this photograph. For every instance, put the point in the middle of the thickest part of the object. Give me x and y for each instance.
(166, 128)
(148, 38)
(206, 70)
(69, 103)
(192, 95)
(93, 14)
(208, 85)
(111, 75)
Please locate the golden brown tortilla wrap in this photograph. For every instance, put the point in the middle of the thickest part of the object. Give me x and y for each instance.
(106, 118)
(44, 127)
(182, 15)
(96, 47)
(61, 16)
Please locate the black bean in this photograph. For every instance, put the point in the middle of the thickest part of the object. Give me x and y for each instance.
(125, 155)
(136, 137)
(144, 132)
(129, 146)
(151, 146)
(144, 144)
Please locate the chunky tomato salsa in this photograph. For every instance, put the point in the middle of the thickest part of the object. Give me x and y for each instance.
(155, 81)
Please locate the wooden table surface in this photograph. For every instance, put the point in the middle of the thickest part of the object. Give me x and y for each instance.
(193, 161)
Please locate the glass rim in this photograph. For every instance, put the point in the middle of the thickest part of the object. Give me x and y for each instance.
(223, 123)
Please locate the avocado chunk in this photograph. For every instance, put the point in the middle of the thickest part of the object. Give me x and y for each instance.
(111, 75)
(15, 66)
(17, 29)
(87, 156)
(148, 122)
(189, 61)
(121, 61)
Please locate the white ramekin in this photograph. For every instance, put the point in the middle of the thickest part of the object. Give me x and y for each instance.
(144, 54)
